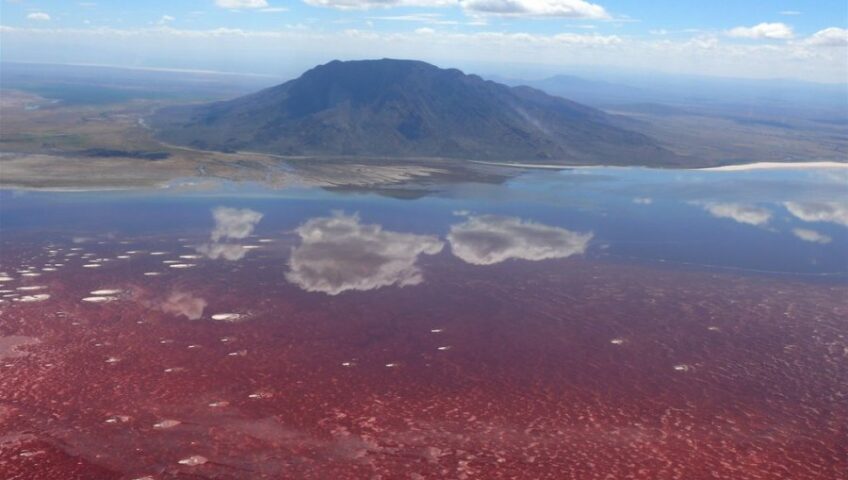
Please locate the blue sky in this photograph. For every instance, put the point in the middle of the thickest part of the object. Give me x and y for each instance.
(742, 38)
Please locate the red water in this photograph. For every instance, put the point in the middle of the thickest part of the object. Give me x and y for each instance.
(530, 385)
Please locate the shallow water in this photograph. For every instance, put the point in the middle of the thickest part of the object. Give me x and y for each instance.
(591, 323)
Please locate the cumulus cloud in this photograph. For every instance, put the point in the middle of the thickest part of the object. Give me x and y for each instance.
(38, 16)
(811, 236)
(771, 31)
(165, 19)
(234, 223)
(829, 37)
(643, 200)
(339, 253)
(185, 304)
(490, 239)
(832, 212)
(741, 213)
(240, 4)
(536, 8)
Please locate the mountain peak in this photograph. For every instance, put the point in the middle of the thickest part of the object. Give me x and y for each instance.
(405, 108)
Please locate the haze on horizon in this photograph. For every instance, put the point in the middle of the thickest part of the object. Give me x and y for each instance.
(745, 39)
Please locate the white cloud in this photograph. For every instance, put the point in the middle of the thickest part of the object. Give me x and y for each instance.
(643, 200)
(490, 239)
(771, 31)
(234, 223)
(832, 212)
(271, 50)
(741, 213)
(536, 8)
(165, 19)
(38, 16)
(240, 4)
(829, 37)
(185, 304)
(789, 12)
(811, 236)
(338, 253)
(368, 4)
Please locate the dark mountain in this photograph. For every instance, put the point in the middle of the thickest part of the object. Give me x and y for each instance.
(401, 108)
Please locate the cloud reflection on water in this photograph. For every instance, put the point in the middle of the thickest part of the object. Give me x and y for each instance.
(185, 304)
(339, 253)
(490, 239)
(230, 224)
(832, 212)
(739, 212)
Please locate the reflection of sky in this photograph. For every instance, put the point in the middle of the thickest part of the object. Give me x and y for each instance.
(632, 213)
(340, 253)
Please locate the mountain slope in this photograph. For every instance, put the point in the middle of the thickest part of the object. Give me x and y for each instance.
(402, 108)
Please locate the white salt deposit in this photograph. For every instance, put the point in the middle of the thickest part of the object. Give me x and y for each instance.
(33, 298)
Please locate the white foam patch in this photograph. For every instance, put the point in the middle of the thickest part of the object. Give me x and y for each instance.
(48, 269)
(158, 253)
(190, 257)
(99, 299)
(33, 298)
(31, 274)
(5, 278)
(32, 287)
(194, 460)
(181, 265)
(152, 274)
(167, 424)
(92, 265)
(106, 291)
(227, 317)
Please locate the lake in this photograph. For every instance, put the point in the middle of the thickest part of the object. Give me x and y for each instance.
(583, 323)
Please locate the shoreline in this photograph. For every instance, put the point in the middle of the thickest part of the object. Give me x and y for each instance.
(775, 166)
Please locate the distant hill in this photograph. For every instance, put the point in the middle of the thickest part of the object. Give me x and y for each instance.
(404, 108)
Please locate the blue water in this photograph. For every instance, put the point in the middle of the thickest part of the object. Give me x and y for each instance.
(788, 222)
